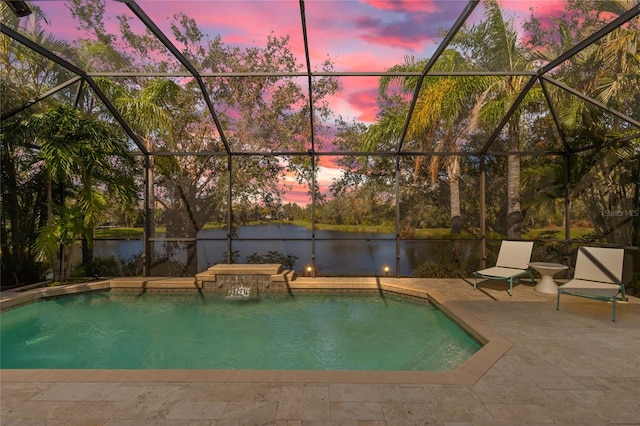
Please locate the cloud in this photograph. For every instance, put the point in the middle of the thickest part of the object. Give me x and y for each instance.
(356, 99)
(294, 192)
(388, 30)
(399, 34)
(543, 10)
(413, 25)
(408, 6)
(235, 22)
(298, 193)
(327, 175)
(539, 7)
(364, 101)
(299, 196)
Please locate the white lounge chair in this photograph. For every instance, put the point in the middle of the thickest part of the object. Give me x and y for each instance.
(598, 276)
(513, 262)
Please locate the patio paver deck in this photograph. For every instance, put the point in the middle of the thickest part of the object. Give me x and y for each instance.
(572, 367)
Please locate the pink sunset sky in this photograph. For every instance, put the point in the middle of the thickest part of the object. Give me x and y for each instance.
(356, 35)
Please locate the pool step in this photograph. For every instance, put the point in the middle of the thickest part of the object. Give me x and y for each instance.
(246, 269)
(286, 276)
(154, 282)
(20, 297)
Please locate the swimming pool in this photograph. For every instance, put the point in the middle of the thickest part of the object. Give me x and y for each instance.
(111, 330)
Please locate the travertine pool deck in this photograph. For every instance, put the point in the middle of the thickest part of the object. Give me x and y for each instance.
(539, 366)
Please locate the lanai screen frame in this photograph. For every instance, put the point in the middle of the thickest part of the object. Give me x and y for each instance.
(541, 77)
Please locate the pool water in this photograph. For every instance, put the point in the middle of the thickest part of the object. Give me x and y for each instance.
(104, 330)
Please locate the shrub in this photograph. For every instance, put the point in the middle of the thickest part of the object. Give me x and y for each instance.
(288, 261)
(101, 267)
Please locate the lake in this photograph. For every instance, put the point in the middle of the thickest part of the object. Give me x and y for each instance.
(336, 253)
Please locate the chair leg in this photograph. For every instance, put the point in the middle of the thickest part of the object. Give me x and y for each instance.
(475, 281)
(558, 302)
(613, 318)
(510, 286)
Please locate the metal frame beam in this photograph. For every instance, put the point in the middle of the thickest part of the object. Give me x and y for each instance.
(516, 104)
(316, 74)
(441, 48)
(309, 75)
(567, 162)
(43, 96)
(350, 153)
(592, 101)
(157, 32)
(554, 114)
(625, 17)
(77, 71)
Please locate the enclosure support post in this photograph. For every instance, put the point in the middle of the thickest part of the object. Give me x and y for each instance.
(149, 219)
(567, 208)
(312, 158)
(229, 209)
(61, 258)
(483, 225)
(567, 159)
(397, 216)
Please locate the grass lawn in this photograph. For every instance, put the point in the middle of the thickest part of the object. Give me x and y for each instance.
(431, 233)
(119, 233)
(574, 233)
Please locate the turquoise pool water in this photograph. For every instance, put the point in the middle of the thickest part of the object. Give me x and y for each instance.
(107, 330)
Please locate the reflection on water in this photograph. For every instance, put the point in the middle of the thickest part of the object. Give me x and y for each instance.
(336, 253)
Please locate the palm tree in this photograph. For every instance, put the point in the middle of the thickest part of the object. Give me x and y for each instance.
(607, 71)
(620, 52)
(444, 116)
(90, 163)
(29, 74)
(146, 111)
(23, 206)
(493, 44)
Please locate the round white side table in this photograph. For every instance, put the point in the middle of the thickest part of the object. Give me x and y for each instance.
(547, 270)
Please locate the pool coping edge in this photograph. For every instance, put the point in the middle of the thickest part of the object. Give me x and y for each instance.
(494, 347)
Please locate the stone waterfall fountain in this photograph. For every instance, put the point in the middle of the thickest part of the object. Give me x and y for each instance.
(245, 281)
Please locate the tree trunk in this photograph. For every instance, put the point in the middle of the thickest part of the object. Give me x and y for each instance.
(65, 263)
(191, 267)
(12, 250)
(453, 170)
(56, 261)
(635, 221)
(11, 205)
(87, 252)
(514, 213)
(149, 211)
(86, 248)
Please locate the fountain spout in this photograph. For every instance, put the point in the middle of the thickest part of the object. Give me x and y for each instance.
(239, 291)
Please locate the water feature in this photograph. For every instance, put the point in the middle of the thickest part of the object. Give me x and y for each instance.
(107, 330)
(239, 291)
